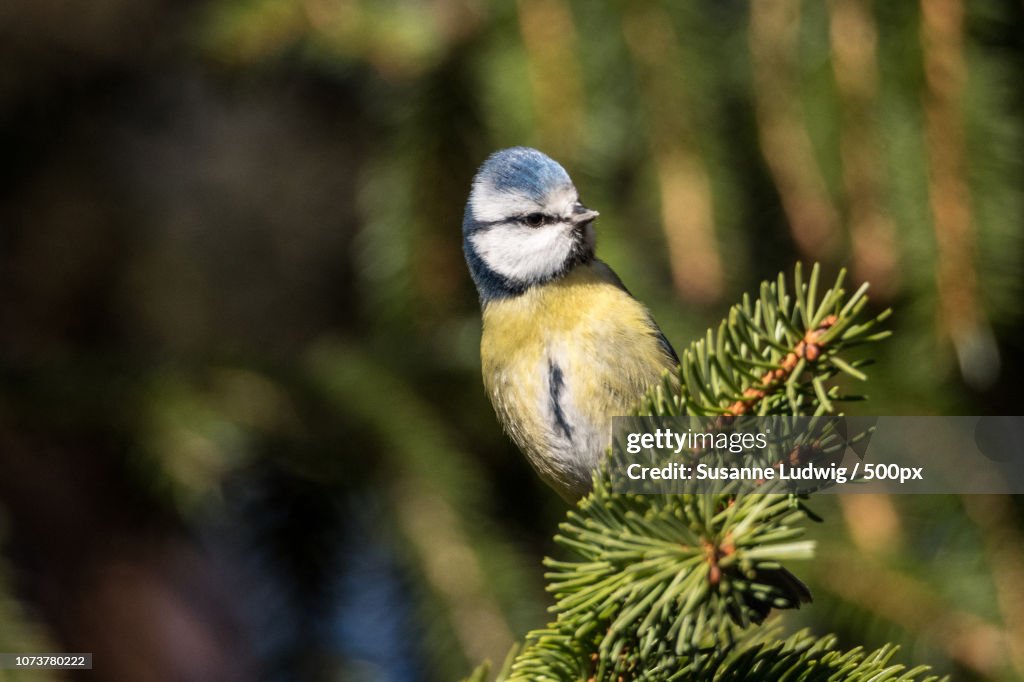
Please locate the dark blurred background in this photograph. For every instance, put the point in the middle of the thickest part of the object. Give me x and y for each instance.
(242, 429)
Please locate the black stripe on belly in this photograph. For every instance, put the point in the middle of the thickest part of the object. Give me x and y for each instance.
(555, 386)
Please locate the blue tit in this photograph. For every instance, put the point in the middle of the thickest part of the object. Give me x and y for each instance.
(565, 347)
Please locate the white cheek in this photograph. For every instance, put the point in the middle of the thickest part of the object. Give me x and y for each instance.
(521, 253)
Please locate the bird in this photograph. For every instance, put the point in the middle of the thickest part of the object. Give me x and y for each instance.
(564, 345)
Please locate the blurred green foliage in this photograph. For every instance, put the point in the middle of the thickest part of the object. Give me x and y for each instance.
(238, 344)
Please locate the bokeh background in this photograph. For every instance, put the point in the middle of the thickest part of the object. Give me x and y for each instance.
(242, 430)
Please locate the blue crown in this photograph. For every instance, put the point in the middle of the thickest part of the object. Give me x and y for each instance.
(523, 170)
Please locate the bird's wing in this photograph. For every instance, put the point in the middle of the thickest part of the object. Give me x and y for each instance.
(662, 339)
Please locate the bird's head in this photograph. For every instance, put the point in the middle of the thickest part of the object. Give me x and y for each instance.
(524, 224)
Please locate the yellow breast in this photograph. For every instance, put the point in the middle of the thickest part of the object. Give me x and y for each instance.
(560, 360)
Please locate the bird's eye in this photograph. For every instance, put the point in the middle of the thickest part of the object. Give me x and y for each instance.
(534, 219)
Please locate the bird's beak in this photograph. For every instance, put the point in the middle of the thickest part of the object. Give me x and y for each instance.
(582, 215)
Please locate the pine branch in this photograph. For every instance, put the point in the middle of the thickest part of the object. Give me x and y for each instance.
(773, 355)
(763, 657)
(657, 577)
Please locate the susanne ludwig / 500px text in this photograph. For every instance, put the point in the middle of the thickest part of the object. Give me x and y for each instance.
(703, 472)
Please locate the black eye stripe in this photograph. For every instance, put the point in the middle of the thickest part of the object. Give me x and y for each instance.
(546, 219)
(535, 219)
